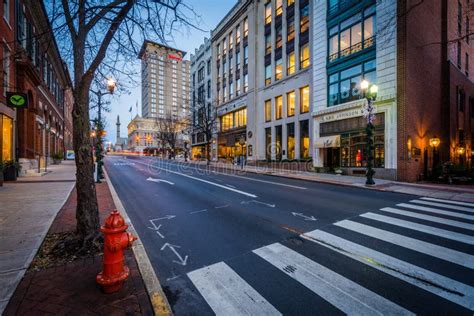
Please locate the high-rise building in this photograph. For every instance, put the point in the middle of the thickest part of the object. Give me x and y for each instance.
(165, 81)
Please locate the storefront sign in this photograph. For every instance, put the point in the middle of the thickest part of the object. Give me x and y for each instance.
(70, 155)
(17, 100)
(341, 115)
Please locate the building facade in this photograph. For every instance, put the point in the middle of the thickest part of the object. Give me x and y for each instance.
(142, 135)
(423, 78)
(233, 76)
(283, 80)
(165, 81)
(201, 100)
(32, 65)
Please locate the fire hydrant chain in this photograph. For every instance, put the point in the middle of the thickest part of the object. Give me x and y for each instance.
(114, 271)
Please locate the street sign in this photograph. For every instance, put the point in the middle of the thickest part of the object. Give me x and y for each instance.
(17, 100)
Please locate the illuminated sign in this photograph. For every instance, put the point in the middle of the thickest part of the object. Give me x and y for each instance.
(17, 100)
(175, 57)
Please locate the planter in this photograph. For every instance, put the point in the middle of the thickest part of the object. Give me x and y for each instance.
(9, 173)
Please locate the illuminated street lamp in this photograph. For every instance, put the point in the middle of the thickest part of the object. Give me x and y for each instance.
(111, 85)
(368, 110)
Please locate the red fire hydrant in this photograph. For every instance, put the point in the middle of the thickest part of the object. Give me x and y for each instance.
(115, 241)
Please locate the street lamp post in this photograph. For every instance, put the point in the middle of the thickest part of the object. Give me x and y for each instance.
(100, 129)
(370, 94)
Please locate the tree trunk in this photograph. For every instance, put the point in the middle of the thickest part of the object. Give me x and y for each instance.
(87, 212)
(208, 154)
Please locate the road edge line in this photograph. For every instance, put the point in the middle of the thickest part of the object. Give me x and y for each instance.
(156, 294)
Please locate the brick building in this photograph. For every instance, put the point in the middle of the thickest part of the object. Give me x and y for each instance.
(435, 91)
(7, 79)
(36, 68)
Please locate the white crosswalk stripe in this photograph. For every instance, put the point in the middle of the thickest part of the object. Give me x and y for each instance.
(227, 293)
(452, 207)
(448, 201)
(447, 288)
(410, 243)
(429, 218)
(343, 293)
(422, 228)
(436, 210)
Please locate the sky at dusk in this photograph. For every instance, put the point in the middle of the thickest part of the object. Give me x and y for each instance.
(211, 13)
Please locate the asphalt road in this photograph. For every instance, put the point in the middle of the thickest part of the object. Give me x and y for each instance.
(255, 244)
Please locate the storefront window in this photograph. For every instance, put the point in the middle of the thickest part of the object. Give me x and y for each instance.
(6, 141)
(354, 149)
(304, 139)
(268, 142)
(278, 143)
(290, 129)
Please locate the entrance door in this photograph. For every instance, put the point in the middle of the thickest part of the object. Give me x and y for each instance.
(333, 157)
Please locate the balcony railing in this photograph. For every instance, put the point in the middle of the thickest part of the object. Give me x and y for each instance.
(369, 42)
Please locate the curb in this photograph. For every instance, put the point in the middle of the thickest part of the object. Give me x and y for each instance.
(161, 306)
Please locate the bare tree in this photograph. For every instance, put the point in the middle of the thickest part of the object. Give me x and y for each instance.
(98, 39)
(204, 124)
(171, 131)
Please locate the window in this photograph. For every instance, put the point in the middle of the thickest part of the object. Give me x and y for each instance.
(290, 64)
(290, 29)
(278, 107)
(278, 142)
(231, 41)
(467, 64)
(304, 99)
(237, 87)
(289, 2)
(218, 49)
(268, 110)
(290, 103)
(246, 27)
(459, 18)
(268, 143)
(268, 74)
(304, 139)
(304, 56)
(304, 18)
(208, 89)
(467, 29)
(279, 7)
(234, 120)
(459, 54)
(461, 99)
(246, 82)
(237, 35)
(209, 67)
(6, 69)
(231, 91)
(352, 35)
(237, 60)
(246, 55)
(268, 44)
(290, 140)
(268, 13)
(278, 69)
(224, 47)
(278, 37)
(6, 139)
(6, 10)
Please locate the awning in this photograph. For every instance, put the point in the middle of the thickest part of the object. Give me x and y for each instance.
(328, 142)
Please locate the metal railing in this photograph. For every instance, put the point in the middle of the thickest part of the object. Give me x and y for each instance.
(369, 42)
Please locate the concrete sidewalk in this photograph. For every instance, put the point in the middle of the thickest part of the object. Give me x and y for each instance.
(27, 209)
(464, 193)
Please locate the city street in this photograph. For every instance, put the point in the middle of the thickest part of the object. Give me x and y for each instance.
(256, 244)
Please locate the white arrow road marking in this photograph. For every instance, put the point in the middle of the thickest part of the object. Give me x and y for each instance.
(202, 180)
(306, 218)
(222, 206)
(164, 217)
(156, 229)
(159, 180)
(200, 211)
(258, 202)
(172, 247)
